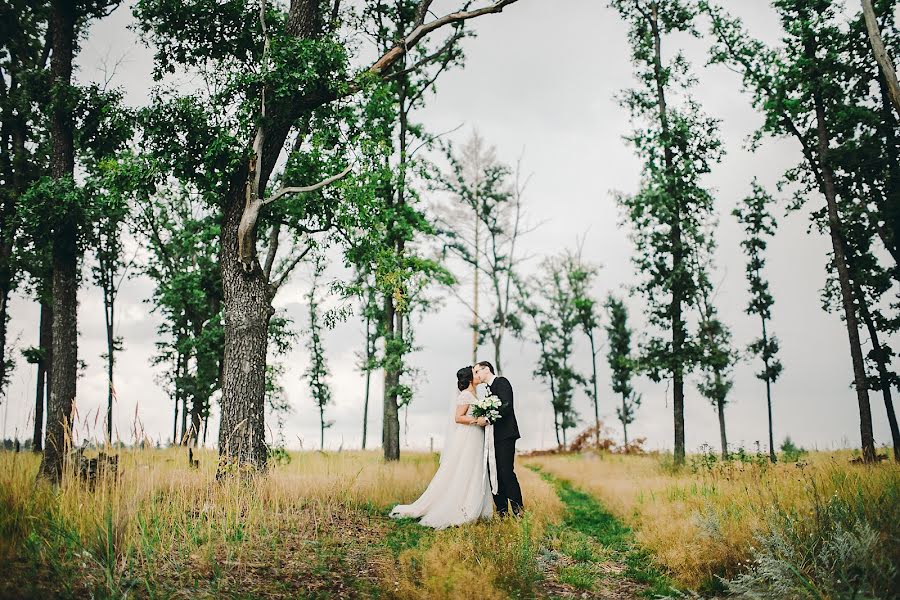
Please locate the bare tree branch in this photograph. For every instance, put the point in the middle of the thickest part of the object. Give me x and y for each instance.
(881, 55)
(306, 188)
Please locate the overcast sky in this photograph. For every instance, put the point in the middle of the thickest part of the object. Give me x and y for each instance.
(540, 81)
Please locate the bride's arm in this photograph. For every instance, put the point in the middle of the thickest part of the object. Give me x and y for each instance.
(462, 418)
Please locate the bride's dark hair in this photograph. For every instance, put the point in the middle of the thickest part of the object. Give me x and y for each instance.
(464, 378)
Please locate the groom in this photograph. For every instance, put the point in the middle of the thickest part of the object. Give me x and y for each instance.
(506, 432)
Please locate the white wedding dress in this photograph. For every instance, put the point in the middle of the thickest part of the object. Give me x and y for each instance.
(460, 491)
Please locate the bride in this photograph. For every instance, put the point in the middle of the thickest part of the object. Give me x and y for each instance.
(460, 491)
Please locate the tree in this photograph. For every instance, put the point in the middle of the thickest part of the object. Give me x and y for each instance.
(24, 52)
(281, 72)
(110, 210)
(678, 145)
(369, 360)
(621, 362)
(181, 239)
(798, 88)
(317, 373)
(66, 20)
(581, 278)
(484, 223)
(550, 304)
(717, 360)
(758, 225)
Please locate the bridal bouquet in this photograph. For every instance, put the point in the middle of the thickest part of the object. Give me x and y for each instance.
(487, 407)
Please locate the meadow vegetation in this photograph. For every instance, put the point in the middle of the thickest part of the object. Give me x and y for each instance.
(817, 527)
(604, 525)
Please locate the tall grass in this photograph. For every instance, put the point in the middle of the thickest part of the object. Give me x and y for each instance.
(498, 558)
(162, 525)
(718, 520)
(315, 527)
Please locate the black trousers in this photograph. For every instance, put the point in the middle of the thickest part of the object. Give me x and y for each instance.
(508, 490)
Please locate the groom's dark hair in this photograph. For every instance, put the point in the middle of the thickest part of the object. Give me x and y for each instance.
(490, 367)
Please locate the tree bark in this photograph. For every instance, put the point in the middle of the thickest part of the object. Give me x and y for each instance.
(247, 312)
(64, 373)
(390, 439)
(624, 423)
(881, 55)
(840, 260)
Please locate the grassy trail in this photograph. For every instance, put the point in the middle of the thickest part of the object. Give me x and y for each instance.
(594, 552)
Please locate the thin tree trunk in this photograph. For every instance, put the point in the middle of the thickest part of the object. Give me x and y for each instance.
(720, 408)
(64, 374)
(624, 424)
(498, 340)
(178, 393)
(109, 316)
(677, 250)
(182, 376)
(595, 397)
(40, 396)
(881, 55)
(321, 427)
(765, 337)
(880, 357)
(475, 291)
(369, 352)
(840, 260)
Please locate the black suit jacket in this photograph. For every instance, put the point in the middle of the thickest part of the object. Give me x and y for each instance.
(505, 427)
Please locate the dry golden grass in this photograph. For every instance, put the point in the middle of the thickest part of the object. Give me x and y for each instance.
(701, 524)
(314, 526)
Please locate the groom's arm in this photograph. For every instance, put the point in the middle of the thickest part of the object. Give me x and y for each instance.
(503, 390)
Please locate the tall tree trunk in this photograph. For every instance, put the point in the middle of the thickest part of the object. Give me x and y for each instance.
(880, 357)
(624, 423)
(182, 376)
(247, 313)
(64, 373)
(40, 397)
(109, 316)
(595, 398)
(765, 337)
(840, 260)
(720, 408)
(5, 288)
(177, 398)
(390, 440)
(676, 242)
(881, 55)
(477, 258)
(369, 354)
(498, 340)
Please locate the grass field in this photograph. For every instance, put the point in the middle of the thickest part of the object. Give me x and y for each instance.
(597, 526)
